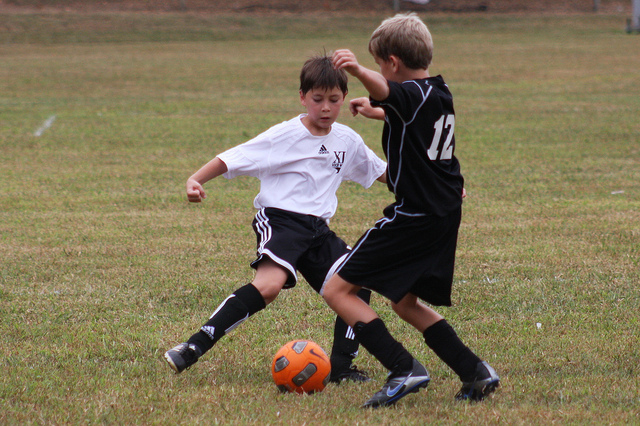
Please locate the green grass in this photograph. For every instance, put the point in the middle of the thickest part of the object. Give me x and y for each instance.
(104, 265)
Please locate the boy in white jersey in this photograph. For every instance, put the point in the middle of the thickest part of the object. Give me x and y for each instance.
(300, 164)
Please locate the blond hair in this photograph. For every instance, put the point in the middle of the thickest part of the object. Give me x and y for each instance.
(406, 37)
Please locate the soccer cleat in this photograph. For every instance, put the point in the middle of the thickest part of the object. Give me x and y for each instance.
(484, 383)
(182, 356)
(350, 375)
(399, 385)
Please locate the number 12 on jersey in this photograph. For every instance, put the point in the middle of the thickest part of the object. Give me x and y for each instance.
(445, 122)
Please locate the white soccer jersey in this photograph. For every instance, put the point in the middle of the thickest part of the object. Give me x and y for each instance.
(300, 172)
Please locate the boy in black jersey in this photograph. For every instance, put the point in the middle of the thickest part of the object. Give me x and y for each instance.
(409, 253)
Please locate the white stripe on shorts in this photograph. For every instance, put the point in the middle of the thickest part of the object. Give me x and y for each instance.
(265, 231)
(333, 270)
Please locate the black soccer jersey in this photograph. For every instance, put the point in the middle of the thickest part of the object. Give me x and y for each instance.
(419, 143)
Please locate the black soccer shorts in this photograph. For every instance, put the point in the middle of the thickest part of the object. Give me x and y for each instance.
(406, 253)
(298, 242)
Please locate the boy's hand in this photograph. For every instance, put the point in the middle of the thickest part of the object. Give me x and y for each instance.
(195, 192)
(375, 83)
(363, 107)
(346, 60)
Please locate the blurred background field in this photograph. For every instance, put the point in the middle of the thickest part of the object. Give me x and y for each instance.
(340, 6)
(106, 110)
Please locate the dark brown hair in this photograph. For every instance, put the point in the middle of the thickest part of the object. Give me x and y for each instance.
(318, 72)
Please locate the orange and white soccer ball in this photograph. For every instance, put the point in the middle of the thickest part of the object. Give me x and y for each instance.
(301, 366)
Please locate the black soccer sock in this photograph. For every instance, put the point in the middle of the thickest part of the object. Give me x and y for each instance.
(232, 312)
(444, 341)
(376, 339)
(345, 345)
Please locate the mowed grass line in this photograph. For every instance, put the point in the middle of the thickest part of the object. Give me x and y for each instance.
(105, 265)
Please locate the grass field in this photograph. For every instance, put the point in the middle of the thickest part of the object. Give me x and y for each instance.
(104, 265)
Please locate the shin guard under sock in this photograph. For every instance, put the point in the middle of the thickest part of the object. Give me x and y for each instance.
(232, 312)
(345, 345)
(376, 339)
(446, 344)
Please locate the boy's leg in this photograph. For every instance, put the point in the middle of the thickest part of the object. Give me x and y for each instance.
(345, 349)
(232, 312)
(317, 265)
(407, 374)
(478, 378)
(438, 335)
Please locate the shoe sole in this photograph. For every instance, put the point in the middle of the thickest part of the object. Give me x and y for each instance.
(489, 389)
(173, 366)
(486, 391)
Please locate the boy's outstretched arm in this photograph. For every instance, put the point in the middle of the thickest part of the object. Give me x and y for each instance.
(373, 81)
(363, 107)
(213, 169)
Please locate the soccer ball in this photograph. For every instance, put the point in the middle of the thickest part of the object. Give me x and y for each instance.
(301, 366)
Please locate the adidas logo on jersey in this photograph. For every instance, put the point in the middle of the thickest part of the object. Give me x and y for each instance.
(323, 150)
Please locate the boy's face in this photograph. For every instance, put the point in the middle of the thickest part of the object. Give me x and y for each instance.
(387, 68)
(323, 107)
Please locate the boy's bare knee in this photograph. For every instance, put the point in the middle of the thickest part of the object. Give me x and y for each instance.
(328, 293)
(332, 291)
(268, 289)
(400, 310)
(270, 279)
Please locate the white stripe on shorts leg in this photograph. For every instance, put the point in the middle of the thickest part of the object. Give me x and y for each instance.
(333, 270)
(362, 240)
(379, 224)
(281, 262)
(264, 229)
